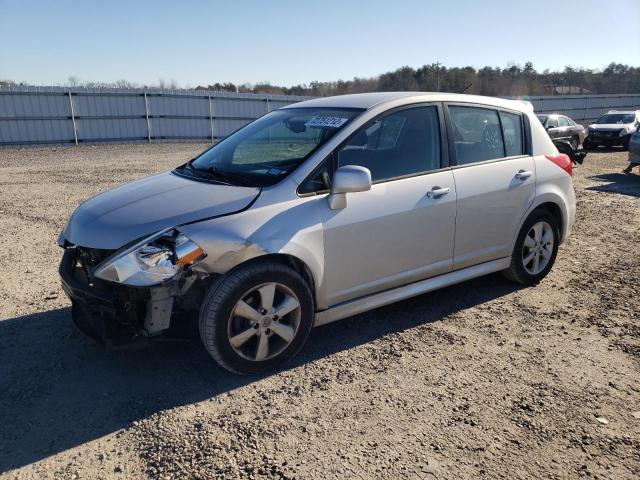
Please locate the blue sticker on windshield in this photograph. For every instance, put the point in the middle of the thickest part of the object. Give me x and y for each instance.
(326, 122)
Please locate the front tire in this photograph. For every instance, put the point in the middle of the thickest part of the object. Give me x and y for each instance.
(256, 317)
(536, 248)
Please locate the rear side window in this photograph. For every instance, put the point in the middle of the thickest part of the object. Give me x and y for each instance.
(405, 142)
(552, 123)
(512, 129)
(477, 134)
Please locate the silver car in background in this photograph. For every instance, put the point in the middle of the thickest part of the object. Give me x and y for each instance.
(316, 212)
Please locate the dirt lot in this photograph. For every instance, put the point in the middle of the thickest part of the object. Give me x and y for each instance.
(480, 380)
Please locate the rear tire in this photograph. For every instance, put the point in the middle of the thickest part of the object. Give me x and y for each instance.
(256, 317)
(535, 250)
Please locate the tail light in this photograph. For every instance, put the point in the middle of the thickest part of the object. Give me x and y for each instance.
(562, 160)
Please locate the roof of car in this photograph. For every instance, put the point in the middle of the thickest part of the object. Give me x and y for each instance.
(369, 100)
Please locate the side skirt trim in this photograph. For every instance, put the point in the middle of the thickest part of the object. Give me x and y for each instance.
(353, 307)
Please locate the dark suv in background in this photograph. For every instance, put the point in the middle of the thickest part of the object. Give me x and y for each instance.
(612, 129)
(561, 128)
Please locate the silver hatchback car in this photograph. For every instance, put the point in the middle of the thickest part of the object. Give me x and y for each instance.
(316, 212)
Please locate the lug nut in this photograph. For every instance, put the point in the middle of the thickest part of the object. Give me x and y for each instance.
(256, 325)
(268, 331)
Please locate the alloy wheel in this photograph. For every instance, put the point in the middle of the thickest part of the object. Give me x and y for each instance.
(264, 321)
(537, 248)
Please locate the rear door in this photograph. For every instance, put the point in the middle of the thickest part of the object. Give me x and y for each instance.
(495, 180)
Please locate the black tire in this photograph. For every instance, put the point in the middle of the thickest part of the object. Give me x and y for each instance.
(586, 145)
(516, 271)
(221, 299)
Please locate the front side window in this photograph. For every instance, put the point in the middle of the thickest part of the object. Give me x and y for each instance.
(512, 128)
(405, 142)
(268, 149)
(476, 133)
(563, 121)
(552, 122)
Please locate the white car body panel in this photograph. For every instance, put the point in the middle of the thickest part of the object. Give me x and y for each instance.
(379, 240)
(491, 204)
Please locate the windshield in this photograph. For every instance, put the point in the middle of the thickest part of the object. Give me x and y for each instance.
(616, 118)
(266, 150)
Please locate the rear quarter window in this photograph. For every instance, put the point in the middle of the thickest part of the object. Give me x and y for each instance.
(512, 131)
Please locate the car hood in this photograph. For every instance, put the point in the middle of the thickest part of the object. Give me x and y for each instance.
(608, 126)
(116, 217)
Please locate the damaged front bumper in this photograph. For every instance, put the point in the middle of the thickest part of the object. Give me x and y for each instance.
(114, 314)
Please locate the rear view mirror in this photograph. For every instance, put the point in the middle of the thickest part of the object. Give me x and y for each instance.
(348, 179)
(296, 126)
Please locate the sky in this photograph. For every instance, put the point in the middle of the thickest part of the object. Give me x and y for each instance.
(291, 42)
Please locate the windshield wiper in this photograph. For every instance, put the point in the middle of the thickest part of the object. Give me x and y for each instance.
(226, 177)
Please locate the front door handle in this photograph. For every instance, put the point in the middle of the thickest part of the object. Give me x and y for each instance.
(523, 174)
(437, 192)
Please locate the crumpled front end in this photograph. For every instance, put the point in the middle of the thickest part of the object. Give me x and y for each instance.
(131, 294)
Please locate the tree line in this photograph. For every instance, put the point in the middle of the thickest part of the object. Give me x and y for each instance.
(514, 80)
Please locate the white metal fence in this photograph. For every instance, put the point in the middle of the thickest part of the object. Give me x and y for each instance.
(583, 108)
(46, 115)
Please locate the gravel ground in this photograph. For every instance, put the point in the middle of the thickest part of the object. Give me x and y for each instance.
(480, 380)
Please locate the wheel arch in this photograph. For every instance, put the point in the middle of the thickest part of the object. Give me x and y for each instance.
(286, 259)
(298, 265)
(553, 209)
(553, 203)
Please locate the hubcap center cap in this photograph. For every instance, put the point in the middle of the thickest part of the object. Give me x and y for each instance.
(266, 322)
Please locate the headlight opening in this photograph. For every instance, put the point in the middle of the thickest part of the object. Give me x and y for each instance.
(152, 261)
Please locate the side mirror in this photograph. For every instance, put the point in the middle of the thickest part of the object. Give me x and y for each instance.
(348, 179)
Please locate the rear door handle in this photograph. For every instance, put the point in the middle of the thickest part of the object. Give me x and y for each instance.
(523, 174)
(437, 192)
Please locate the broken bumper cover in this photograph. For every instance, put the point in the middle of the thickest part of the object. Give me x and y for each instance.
(106, 316)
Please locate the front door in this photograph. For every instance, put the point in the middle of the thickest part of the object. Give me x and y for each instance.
(402, 230)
